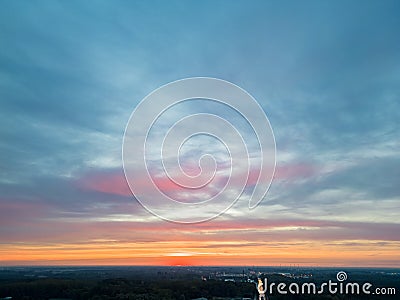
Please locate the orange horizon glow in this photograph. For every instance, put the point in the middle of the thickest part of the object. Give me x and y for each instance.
(193, 254)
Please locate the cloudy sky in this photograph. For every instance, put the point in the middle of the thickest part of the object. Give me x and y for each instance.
(326, 73)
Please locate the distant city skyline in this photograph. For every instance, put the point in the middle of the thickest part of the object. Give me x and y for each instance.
(325, 73)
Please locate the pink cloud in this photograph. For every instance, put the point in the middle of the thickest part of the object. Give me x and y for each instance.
(106, 182)
(21, 210)
(293, 171)
(114, 182)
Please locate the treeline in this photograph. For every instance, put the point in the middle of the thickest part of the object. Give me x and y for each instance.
(132, 289)
(124, 289)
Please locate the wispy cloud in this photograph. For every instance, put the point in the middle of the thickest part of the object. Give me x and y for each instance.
(326, 75)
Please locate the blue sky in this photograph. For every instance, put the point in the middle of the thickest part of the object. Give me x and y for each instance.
(326, 74)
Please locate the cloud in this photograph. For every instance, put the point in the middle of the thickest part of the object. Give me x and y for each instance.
(73, 72)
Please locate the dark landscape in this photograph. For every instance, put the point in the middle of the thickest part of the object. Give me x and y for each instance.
(153, 282)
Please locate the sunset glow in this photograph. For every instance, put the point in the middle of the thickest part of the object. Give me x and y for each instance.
(326, 74)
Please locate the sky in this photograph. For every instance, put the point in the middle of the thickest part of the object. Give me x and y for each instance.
(326, 73)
